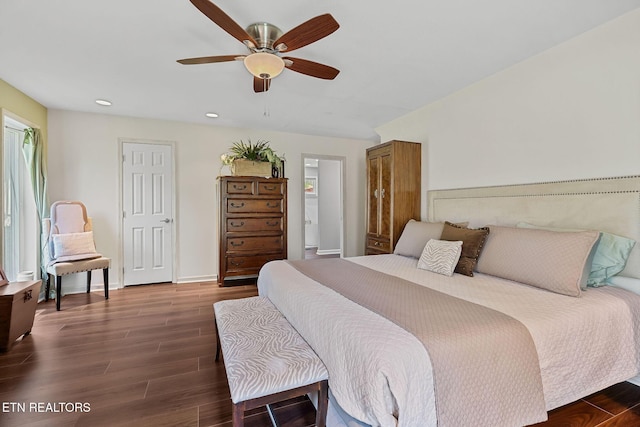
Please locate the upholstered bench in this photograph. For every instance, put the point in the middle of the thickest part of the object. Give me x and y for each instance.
(266, 360)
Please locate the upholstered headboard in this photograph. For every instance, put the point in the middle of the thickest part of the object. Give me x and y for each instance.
(604, 204)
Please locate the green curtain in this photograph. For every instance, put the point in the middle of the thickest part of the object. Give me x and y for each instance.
(32, 150)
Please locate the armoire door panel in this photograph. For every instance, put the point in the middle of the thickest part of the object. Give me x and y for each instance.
(384, 229)
(373, 182)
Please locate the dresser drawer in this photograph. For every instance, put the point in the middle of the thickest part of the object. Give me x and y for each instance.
(255, 243)
(269, 188)
(254, 205)
(254, 224)
(239, 187)
(249, 264)
(378, 245)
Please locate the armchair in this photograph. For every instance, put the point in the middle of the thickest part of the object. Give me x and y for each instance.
(71, 248)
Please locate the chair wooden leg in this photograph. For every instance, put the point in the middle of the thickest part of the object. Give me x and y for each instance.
(47, 288)
(105, 276)
(88, 281)
(58, 291)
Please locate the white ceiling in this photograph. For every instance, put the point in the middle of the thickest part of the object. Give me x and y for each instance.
(394, 56)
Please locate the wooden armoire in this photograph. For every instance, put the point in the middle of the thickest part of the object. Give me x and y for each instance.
(393, 193)
(253, 224)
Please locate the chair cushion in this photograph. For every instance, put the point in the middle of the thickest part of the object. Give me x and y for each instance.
(62, 268)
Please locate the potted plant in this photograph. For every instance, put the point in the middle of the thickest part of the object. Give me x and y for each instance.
(252, 159)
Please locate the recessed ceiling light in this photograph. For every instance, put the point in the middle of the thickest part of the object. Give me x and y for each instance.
(212, 115)
(103, 102)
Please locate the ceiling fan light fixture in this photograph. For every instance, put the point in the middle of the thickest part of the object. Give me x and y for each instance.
(264, 65)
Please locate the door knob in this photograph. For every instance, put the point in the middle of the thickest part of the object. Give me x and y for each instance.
(166, 220)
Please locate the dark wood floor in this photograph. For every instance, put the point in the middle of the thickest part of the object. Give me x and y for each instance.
(145, 357)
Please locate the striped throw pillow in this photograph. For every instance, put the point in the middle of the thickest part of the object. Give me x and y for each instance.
(440, 256)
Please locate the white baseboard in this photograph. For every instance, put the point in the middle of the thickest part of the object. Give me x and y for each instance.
(635, 380)
(328, 251)
(192, 279)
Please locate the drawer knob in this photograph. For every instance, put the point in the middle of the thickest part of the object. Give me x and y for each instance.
(272, 223)
(236, 263)
(27, 295)
(270, 187)
(273, 205)
(239, 187)
(236, 244)
(236, 225)
(234, 205)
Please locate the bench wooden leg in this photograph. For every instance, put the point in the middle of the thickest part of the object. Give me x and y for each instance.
(217, 340)
(238, 414)
(323, 404)
(88, 281)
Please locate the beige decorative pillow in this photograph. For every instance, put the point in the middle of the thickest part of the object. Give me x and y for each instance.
(472, 243)
(73, 244)
(415, 236)
(440, 256)
(546, 259)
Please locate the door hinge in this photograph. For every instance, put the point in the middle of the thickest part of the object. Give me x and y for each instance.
(124, 214)
(123, 158)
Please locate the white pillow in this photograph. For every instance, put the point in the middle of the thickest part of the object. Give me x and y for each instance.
(440, 256)
(70, 244)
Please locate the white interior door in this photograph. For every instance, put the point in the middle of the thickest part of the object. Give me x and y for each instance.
(148, 213)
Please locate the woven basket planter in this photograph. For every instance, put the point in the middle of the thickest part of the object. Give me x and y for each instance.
(243, 167)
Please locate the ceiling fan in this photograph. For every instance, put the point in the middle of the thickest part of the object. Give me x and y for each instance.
(266, 42)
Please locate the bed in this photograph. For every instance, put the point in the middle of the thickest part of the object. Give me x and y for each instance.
(380, 373)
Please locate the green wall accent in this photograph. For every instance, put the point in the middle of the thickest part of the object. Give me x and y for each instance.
(25, 107)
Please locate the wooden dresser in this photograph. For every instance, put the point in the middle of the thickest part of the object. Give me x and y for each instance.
(393, 193)
(253, 224)
(18, 302)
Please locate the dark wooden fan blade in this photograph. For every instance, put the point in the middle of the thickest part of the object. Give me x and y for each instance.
(311, 68)
(223, 20)
(210, 59)
(261, 85)
(306, 33)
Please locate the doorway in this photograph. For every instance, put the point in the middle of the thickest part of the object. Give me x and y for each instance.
(323, 206)
(147, 213)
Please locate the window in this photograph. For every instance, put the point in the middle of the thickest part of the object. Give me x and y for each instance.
(20, 238)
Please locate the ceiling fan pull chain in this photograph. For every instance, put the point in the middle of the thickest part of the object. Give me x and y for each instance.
(266, 112)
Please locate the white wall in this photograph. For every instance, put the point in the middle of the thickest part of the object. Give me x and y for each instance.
(568, 113)
(311, 229)
(84, 165)
(330, 207)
